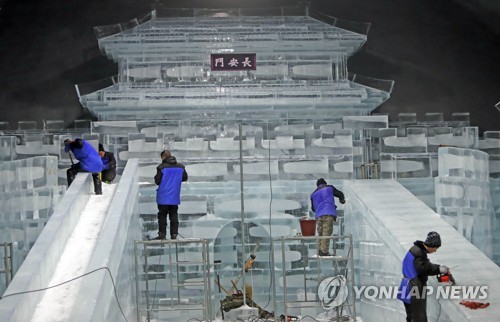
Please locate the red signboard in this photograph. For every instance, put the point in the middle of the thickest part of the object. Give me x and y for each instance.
(228, 62)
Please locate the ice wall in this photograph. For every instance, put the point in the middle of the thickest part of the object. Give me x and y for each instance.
(491, 145)
(37, 269)
(463, 196)
(385, 219)
(28, 194)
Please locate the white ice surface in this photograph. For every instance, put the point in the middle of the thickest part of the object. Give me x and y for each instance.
(57, 303)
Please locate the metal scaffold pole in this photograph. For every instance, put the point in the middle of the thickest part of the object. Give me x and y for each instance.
(242, 198)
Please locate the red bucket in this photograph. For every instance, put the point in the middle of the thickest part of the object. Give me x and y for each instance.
(307, 226)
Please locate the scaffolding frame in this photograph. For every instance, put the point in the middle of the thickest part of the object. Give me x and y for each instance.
(341, 264)
(173, 250)
(8, 251)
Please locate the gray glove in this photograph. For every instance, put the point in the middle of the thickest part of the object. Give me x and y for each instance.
(444, 269)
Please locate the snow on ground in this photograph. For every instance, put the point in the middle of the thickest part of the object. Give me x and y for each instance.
(57, 303)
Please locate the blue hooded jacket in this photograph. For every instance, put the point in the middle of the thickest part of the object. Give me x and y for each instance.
(84, 152)
(169, 176)
(323, 201)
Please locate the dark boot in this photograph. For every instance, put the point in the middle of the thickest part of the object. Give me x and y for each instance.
(161, 237)
(97, 183)
(323, 254)
(174, 221)
(71, 174)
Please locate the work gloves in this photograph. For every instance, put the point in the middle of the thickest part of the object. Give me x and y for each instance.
(444, 269)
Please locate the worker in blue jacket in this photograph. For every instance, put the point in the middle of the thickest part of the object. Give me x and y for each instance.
(169, 176)
(108, 159)
(89, 161)
(323, 204)
(416, 270)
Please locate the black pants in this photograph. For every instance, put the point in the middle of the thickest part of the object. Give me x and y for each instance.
(173, 216)
(73, 171)
(108, 175)
(416, 311)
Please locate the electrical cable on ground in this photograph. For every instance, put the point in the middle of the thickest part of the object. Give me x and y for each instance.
(308, 316)
(439, 313)
(71, 280)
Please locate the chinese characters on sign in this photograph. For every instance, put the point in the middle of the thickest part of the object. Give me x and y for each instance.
(225, 62)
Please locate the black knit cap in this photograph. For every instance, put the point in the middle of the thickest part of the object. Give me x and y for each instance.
(101, 147)
(320, 182)
(433, 240)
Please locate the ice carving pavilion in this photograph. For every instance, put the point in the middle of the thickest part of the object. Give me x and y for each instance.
(165, 69)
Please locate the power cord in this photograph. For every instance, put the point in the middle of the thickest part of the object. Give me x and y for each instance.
(439, 314)
(71, 280)
(308, 316)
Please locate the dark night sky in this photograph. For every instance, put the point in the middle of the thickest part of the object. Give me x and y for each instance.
(442, 57)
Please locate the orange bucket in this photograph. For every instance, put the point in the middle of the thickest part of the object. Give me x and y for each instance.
(307, 226)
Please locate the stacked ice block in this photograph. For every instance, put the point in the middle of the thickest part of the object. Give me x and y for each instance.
(463, 196)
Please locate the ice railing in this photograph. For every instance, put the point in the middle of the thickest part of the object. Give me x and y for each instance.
(385, 219)
(108, 30)
(411, 156)
(28, 174)
(29, 140)
(86, 89)
(358, 27)
(221, 140)
(20, 145)
(383, 85)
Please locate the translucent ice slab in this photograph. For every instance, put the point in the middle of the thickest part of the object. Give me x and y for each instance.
(283, 142)
(39, 266)
(28, 173)
(463, 195)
